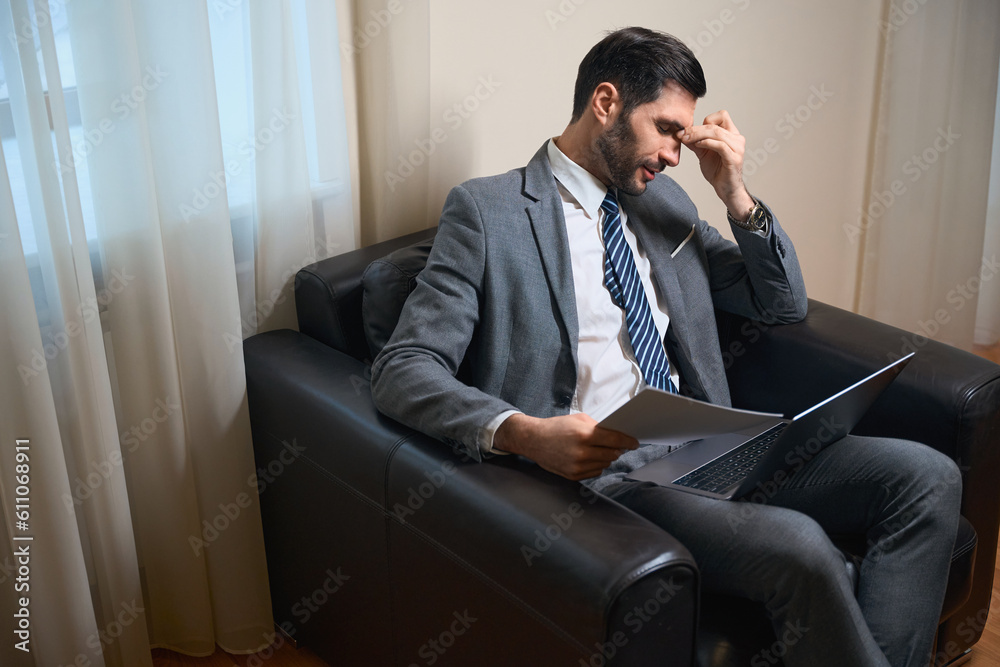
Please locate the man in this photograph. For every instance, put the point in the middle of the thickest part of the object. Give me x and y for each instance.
(568, 285)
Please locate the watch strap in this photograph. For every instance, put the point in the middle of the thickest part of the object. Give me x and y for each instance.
(755, 222)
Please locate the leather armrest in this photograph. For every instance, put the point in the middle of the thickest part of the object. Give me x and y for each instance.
(575, 562)
(302, 390)
(946, 398)
(546, 544)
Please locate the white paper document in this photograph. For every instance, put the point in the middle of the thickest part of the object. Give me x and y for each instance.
(659, 417)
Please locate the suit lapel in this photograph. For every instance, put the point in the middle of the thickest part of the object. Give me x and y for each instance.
(659, 242)
(549, 228)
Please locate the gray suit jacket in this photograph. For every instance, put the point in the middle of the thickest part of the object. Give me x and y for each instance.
(498, 293)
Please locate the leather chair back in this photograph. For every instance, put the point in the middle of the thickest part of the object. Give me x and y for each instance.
(329, 297)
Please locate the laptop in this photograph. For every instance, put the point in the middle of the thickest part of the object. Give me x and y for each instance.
(733, 465)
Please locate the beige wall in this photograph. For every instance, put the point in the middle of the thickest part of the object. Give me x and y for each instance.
(763, 61)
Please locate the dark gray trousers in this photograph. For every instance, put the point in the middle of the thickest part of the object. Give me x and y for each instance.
(903, 496)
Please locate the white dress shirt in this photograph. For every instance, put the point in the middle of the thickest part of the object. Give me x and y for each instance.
(607, 372)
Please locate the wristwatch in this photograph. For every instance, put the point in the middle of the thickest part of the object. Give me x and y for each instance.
(755, 222)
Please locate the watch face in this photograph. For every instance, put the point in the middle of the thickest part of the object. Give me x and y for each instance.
(757, 217)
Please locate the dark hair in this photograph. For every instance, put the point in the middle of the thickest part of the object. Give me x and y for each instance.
(638, 61)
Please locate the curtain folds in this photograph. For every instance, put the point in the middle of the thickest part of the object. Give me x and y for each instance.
(59, 390)
(923, 254)
(988, 313)
(196, 162)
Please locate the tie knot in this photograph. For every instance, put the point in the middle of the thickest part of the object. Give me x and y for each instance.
(610, 203)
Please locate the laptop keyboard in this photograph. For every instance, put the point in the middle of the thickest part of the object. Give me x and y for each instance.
(722, 473)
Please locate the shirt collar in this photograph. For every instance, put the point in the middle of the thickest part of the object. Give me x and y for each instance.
(583, 186)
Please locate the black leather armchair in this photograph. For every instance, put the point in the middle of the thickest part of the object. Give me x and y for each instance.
(386, 548)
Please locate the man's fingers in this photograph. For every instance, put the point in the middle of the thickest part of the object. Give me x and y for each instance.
(716, 146)
(691, 136)
(695, 133)
(603, 437)
(573, 446)
(722, 119)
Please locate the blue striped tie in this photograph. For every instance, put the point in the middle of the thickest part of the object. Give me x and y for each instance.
(622, 279)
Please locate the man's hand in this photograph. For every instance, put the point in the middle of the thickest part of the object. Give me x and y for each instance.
(573, 446)
(720, 147)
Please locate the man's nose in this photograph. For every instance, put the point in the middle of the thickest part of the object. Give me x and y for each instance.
(670, 153)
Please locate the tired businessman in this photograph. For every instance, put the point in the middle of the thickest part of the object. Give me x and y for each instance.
(570, 284)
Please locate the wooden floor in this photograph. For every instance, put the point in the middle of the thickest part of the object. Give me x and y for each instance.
(986, 653)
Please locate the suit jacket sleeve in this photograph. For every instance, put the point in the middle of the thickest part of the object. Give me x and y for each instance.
(759, 278)
(413, 378)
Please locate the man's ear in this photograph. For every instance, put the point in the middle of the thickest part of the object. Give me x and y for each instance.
(605, 102)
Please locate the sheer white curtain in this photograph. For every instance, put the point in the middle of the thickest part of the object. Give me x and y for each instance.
(926, 266)
(151, 217)
(988, 314)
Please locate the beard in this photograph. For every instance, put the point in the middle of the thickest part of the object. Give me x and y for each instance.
(617, 147)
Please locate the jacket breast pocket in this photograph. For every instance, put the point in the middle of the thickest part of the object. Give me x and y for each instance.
(691, 265)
